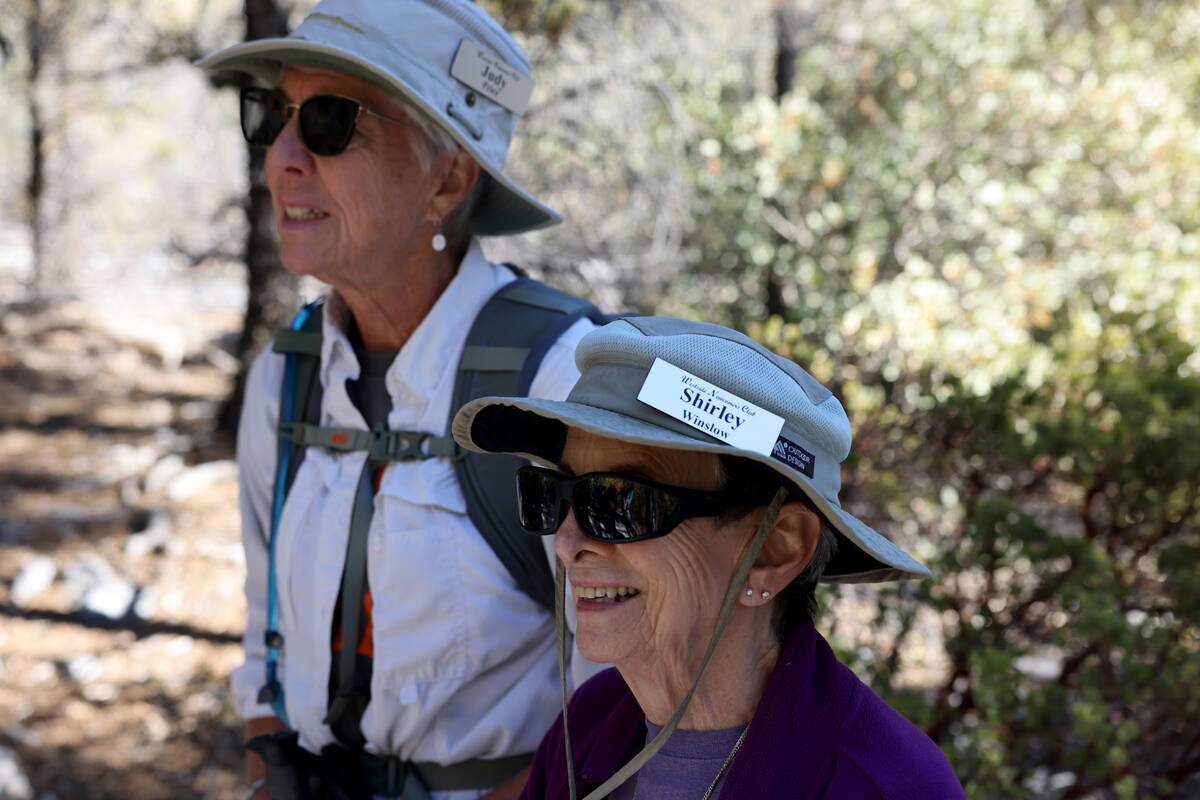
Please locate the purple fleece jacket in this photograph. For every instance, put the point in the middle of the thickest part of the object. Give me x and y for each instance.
(818, 733)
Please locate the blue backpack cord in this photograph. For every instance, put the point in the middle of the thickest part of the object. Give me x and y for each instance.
(272, 690)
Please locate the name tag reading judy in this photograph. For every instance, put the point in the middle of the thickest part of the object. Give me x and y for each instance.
(721, 414)
(488, 75)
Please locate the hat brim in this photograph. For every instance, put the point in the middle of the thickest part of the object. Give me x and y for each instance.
(505, 209)
(536, 429)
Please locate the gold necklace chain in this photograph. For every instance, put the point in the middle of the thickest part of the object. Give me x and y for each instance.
(728, 760)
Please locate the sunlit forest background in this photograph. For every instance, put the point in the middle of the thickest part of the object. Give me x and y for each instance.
(979, 222)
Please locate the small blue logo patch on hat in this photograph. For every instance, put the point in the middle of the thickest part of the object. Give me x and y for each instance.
(794, 455)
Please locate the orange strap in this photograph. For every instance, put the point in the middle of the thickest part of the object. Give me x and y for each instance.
(366, 645)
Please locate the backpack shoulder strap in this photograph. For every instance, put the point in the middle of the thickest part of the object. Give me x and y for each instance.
(505, 346)
(299, 400)
(301, 390)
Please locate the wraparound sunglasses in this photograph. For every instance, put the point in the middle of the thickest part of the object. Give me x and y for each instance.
(326, 120)
(611, 507)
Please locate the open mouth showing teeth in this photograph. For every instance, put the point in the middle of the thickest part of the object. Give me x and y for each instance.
(293, 212)
(604, 594)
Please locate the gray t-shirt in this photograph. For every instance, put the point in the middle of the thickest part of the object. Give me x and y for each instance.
(369, 393)
(684, 768)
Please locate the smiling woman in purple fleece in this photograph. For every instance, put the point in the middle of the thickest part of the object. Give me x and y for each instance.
(692, 479)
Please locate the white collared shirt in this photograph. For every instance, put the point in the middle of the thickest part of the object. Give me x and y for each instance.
(464, 664)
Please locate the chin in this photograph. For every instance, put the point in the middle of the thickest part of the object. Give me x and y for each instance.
(600, 649)
(302, 264)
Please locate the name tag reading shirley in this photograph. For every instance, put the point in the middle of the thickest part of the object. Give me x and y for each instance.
(709, 408)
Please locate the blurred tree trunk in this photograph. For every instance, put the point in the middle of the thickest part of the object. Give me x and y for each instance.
(37, 32)
(785, 49)
(271, 296)
(785, 77)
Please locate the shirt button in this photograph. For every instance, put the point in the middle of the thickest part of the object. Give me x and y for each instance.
(376, 543)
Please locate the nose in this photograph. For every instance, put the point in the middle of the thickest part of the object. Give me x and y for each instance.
(569, 542)
(288, 153)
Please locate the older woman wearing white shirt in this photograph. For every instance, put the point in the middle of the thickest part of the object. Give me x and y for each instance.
(384, 162)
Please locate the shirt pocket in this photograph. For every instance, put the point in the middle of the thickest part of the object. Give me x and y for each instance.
(446, 608)
(421, 622)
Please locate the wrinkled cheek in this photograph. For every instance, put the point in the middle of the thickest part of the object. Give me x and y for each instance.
(390, 232)
(668, 627)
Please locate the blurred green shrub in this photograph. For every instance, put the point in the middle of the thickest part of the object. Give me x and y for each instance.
(543, 17)
(979, 222)
(1068, 585)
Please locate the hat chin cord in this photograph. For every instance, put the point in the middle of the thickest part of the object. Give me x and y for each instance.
(647, 752)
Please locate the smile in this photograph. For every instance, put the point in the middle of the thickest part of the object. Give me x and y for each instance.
(604, 594)
(297, 212)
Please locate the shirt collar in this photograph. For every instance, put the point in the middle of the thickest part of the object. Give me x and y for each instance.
(431, 353)
(429, 357)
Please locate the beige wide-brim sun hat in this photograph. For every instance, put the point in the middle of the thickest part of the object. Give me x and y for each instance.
(409, 47)
(726, 376)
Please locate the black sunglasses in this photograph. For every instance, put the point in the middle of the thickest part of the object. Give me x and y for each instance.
(326, 120)
(611, 507)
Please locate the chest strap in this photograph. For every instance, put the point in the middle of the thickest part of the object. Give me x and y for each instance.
(380, 445)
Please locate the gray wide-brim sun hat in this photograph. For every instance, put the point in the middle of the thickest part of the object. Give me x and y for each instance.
(446, 57)
(698, 387)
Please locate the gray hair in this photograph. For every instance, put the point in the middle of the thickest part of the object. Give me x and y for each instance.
(458, 226)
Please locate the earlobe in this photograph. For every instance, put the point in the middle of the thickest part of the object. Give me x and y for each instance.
(754, 597)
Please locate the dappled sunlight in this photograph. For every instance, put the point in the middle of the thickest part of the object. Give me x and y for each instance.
(978, 222)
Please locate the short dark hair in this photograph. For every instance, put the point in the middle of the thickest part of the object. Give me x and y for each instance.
(758, 483)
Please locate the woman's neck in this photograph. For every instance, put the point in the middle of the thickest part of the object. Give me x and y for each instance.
(388, 309)
(732, 684)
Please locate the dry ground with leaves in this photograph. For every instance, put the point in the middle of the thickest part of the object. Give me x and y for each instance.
(120, 563)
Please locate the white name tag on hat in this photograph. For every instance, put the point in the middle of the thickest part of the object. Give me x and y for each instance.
(721, 414)
(488, 75)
